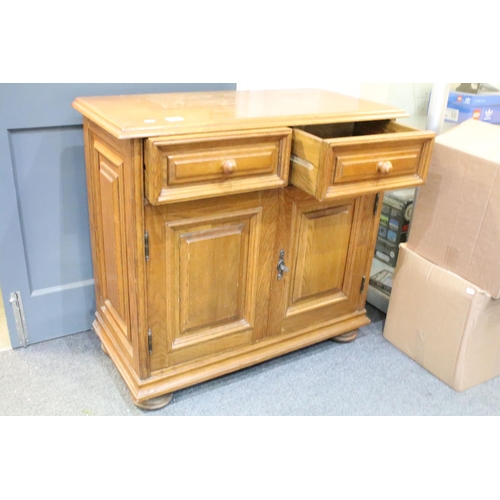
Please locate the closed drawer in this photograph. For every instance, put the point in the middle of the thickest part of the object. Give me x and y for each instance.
(200, 166)
(330, 161)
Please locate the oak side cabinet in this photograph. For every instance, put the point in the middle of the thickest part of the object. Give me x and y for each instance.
(232, 227)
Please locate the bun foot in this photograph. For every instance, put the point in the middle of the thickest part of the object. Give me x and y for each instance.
(154, 403)
(346, 337)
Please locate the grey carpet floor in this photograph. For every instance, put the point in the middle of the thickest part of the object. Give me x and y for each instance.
(72, 376)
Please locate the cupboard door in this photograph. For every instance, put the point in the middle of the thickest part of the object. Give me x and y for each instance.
(327, 249)
(208, 275)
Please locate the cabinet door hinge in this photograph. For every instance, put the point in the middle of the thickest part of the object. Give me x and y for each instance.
(363, 281)
(17, 307)
(375, 206)
(150, 341)
(146, 245)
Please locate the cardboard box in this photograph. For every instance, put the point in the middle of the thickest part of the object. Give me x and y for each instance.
(463, 106)
(394, 223)
(443, 322)
(456, 219)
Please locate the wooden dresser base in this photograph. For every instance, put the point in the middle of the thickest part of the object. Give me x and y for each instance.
(156, 392)
(229, 228)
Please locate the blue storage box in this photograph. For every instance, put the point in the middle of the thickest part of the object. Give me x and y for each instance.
(463, 106)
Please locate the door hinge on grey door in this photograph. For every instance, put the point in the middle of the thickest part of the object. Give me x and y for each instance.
(150, 341)
(17, 307)
(146, 245)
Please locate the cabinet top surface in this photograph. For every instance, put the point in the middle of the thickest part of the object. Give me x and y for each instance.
(149, 115)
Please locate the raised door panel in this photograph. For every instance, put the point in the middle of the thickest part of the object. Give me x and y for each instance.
(111, 191)
(208, 275)
(320, 266)
(202, 253)
(327, 249)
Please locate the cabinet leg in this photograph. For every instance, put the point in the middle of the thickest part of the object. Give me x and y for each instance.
(154, 403)
(346, 337)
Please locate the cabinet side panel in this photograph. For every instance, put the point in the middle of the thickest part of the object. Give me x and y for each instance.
(306, 161)
(113, 265)
(93, 213)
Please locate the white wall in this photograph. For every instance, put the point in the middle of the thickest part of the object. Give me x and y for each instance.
(412, 97)
(293, 82)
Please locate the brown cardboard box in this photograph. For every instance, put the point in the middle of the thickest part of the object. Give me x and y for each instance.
(456, 220)
(443, 322)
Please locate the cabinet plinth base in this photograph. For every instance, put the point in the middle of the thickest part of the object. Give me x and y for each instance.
(154, 403)
(104, 350)
(345, 338)
(156, 391)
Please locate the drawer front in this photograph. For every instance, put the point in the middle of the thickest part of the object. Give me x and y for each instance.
(373, 158)
(375, 161)
(206, 165)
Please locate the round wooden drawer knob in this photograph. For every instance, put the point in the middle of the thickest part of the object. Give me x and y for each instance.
(229, 166)
(384, 167)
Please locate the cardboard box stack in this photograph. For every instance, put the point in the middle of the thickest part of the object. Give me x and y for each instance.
(445, 310)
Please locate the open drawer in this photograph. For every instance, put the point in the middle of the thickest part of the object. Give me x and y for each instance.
(197, 166)
(338, 160)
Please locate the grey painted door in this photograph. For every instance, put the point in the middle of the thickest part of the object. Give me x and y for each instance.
(44, 231)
